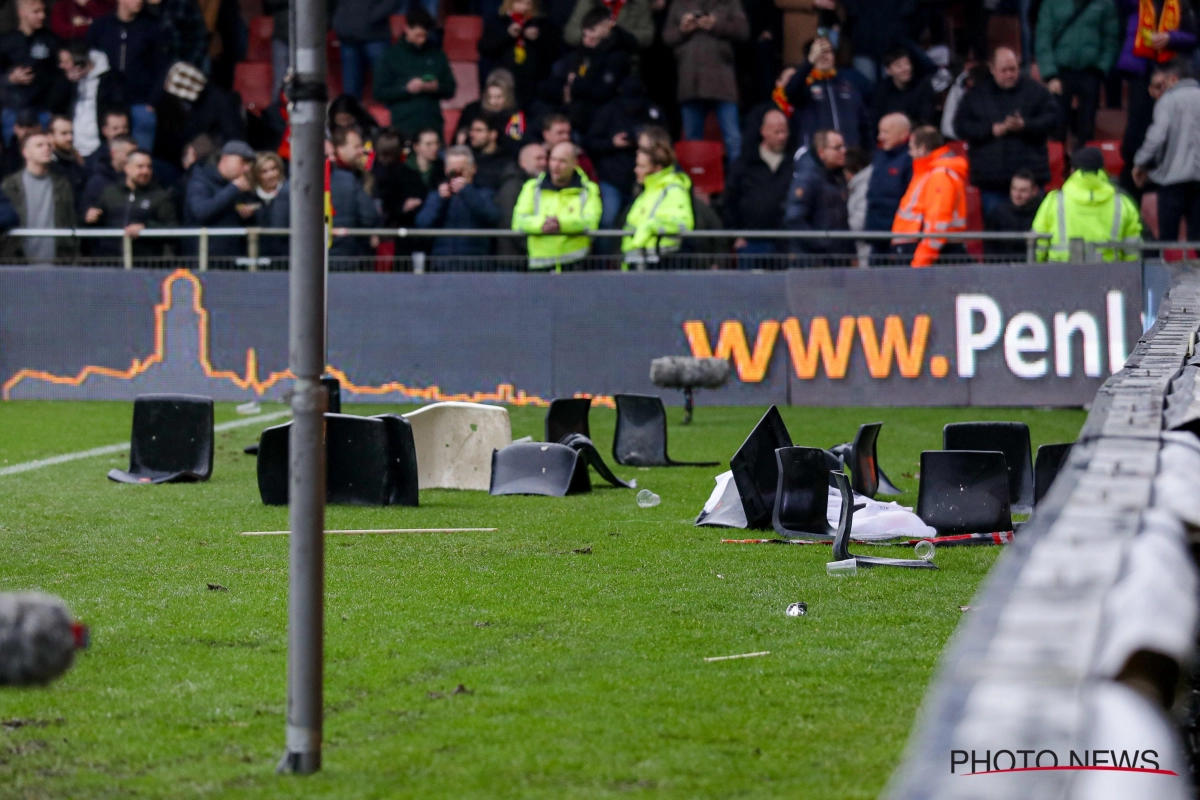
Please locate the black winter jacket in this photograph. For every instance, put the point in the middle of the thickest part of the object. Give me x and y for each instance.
(1006, 217)
(134, 51)
(754, 194)
(835, 104)
(817, 202)
(629, 113)
(39, 51)
(994, 160)
(150, 206)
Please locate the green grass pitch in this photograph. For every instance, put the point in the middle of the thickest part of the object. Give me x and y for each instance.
(584, 672)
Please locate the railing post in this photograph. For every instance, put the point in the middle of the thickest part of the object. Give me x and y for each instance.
(203, 266)
(127, 251)
(252, 248)
(1031, 243)
(418, 262)
(1076, 251)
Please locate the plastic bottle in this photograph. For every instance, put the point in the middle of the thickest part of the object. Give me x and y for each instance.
(647, 499)
(925, 550)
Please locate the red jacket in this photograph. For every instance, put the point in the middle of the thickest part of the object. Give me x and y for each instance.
(69, 20)
(936, 202)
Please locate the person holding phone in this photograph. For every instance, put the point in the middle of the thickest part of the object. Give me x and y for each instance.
(457, 203)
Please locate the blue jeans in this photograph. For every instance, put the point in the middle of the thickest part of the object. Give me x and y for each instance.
(757, 254)
(143, 125)
(611, 200)
(695, 111)
(8, 118)
(356, 58)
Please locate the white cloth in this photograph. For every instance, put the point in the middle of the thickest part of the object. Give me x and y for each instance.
(877, 521)
(87, 126)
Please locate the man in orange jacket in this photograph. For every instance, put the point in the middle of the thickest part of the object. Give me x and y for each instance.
(936, 201)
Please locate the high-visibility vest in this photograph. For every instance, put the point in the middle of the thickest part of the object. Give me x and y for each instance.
(664, 204)
(576, 206)
(1090, 208)
(936, 202)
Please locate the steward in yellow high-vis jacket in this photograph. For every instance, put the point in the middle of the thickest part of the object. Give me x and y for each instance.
(560, 201)
(1087, 207)
(665, 204)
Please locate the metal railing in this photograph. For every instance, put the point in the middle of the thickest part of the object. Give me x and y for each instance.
(703, 249)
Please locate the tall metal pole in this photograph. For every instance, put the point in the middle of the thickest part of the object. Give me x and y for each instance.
(306, 355)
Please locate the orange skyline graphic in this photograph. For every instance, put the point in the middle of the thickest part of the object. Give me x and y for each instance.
(504, 393)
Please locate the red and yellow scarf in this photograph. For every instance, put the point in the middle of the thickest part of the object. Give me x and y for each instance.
(819, 75)
(1167, 22)
(519, 52)
(780, 98)
(614, 7)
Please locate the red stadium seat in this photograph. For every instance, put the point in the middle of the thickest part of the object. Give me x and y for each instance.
(1057, 165)
(383, 117)
(974, 220)
(1113, 162)
(450, 118)
(460, 37)
(253, 83)
(958, 147)
(398, 23)
(259, 48)
(705, 163)
(466, 75)
(1110, 123)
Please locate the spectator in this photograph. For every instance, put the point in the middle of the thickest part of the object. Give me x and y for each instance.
(522, 41)
(269, 176)
(42, 200)
(192, 105)
(29, 62)
(1156, 31)
(561, 201)
(757, 188)
(1077, 43)
(221, 197)
(966, 80)
(586, 78)
(891, 173)
(346, 112)
(69, 19)
(765, 21)
(458, 204)
(665, 204)
(499, 98)
(398, 187)
(66, 161)
(490, 158)
(1087, 207)
(349, 193)
(702, 33)
(557, 128)
(183, 31)
(414, 76)
(858, 171)
(530, 164)
(825, 100)
(1014, 215)
(632, 16)
(1006, 120)
(196, 153)
(903, 90)
(108, 172)
(131, 41)
(612, 138)
(817, 198)
(278, 11)
(134, 204)
(12, 161)
(1171, 149)
(426, 145)
(936, 201)
(364, 32)
(90, 88)
(875, 26)
(113, 123)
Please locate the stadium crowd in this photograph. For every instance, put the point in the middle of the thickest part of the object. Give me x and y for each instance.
(834, 115)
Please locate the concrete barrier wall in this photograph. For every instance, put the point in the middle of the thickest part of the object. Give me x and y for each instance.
(996, 335)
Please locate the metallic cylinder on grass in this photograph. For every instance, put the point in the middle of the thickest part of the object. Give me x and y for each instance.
(306, 346)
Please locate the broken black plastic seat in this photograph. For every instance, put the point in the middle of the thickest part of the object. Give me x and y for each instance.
(1010, 438)
(542, 468)
(334, 388)
(402, 461)
(358, 462)
(567, 415)
(801, 505)
(755, 469)
(591, 456)
(172, 440)
(866, 476)
(964, 491)
(841, 541)
(640, 439)
(1050, 459)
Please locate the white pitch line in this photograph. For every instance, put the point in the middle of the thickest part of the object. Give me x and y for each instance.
(740, 655)
(120, 448)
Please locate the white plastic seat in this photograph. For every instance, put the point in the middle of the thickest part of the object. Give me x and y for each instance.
(455, 442)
